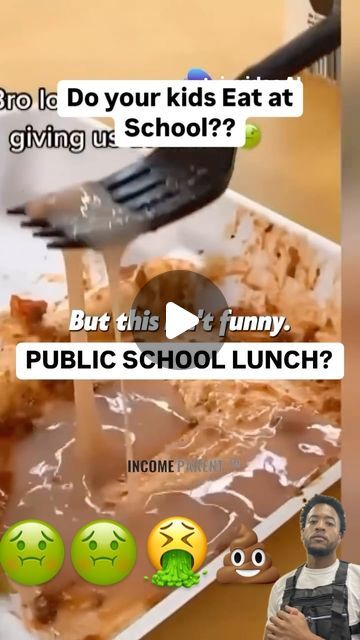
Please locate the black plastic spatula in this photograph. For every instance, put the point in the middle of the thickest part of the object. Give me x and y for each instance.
(168, 184)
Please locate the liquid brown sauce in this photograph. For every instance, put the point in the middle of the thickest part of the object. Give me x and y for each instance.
(281, 455)
(112, 258)
(89, 434)
(105, 430)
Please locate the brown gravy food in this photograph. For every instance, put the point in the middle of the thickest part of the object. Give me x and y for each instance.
(65, 449)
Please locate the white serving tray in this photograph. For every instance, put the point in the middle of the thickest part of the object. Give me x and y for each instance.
(24, 261)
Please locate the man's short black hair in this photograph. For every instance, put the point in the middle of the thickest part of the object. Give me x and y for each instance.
(321, 499)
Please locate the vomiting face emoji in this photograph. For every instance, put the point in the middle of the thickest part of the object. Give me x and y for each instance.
(176, 548)
(247, 562)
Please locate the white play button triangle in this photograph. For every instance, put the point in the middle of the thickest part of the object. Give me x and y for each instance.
(178, 320)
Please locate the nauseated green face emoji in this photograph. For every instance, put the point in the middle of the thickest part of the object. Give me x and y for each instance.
(31, 552)
(103, 552)
(253, 136)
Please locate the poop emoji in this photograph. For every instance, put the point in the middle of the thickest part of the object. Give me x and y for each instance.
(247, 562)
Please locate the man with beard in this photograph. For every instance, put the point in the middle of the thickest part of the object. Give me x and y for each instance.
(320, 599)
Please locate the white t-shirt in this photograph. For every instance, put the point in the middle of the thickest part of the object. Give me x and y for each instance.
(311, 578)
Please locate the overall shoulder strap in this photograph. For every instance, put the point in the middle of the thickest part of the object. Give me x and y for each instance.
(339, 604)
(341, 574)
(355, 628)
(290, 587)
